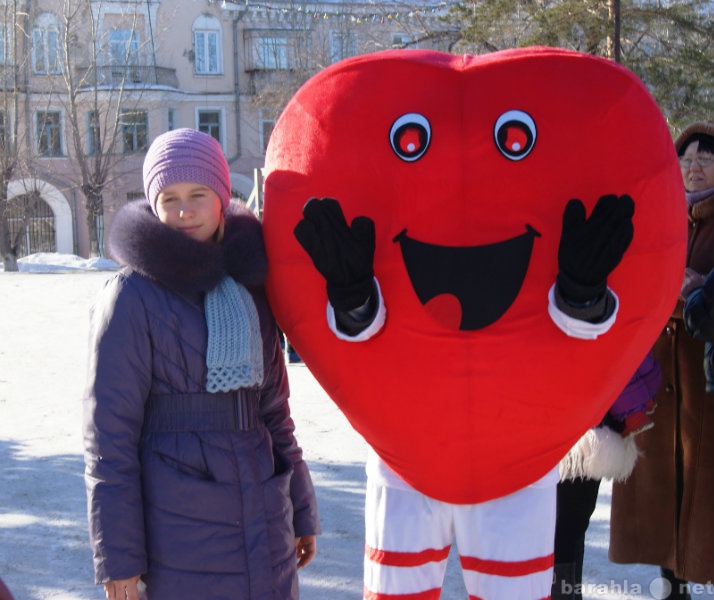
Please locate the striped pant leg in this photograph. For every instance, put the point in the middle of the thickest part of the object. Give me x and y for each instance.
(408, 538)
(506, 544)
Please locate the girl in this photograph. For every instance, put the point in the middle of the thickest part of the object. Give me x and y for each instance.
(196, 485)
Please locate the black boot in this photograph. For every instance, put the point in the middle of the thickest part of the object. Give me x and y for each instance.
(680, 587)
(566, 582)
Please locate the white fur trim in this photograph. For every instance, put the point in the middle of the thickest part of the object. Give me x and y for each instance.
(600, 454)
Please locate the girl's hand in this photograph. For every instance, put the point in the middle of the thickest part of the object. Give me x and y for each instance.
(122, 589)
(306, 548)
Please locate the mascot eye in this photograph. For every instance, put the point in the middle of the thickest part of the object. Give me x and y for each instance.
(410, 136)
(515, 134)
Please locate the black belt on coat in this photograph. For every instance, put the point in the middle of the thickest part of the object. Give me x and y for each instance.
(203, 411)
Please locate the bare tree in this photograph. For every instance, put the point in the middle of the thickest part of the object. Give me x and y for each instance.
(299, 42)
(13, 22)
(102, 78)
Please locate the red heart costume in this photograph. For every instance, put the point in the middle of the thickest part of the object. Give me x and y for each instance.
(470, 392)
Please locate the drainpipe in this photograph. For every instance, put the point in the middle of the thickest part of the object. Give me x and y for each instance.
(29, 119)
(236, 73)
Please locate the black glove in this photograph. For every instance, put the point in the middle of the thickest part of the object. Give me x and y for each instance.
(344, 255)
(591, 248)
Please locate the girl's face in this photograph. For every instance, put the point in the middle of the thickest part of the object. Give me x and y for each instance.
(697, 176)
(191, 208)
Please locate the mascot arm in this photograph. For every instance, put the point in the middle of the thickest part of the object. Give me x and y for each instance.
(342, 253)
(597, 311)
(574, 323)
(362, 323)
(580, 303)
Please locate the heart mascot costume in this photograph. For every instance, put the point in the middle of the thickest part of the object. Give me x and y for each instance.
(472, 254)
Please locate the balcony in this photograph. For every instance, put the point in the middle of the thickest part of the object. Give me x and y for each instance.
(128, 76)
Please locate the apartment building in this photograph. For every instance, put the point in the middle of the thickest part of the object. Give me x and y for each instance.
(86, 85)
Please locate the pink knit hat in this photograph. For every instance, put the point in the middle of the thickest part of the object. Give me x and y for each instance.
(186, 156)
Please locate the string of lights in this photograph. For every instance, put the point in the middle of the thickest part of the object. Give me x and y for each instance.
(354, 13)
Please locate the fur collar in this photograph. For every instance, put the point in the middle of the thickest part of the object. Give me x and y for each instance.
(137, 239)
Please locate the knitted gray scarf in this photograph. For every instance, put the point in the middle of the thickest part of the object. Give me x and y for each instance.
(234, 355)
(218, 272)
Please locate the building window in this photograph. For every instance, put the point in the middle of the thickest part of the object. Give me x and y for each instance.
(45, 45)
(131, 196)
(342, 45)
(134, 130)
(272, 52)
(209, 121)
(2, 44)
(123, 47)
(49, 133)
(3, 132)
(172, 119)
(266, 128)
(124, 56)
(123, 53)
(207, 46)
(403, 41)
(5, 139)
(94, 140)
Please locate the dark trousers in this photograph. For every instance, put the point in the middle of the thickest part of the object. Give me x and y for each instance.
(575, 505)
(680, 588)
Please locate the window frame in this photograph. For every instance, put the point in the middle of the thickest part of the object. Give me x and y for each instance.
(343, 44)
(45, 46)
(273, 52)
(264, 135)
(94, 133)
(217, 126)
(123, 48)
(209, 29)
(49, 141)
(136, 128)
(4, 131)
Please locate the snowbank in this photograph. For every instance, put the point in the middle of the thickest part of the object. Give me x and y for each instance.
(44, 553)
(51, 262)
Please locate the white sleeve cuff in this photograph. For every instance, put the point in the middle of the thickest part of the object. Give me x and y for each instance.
(373, 328)
(575, 327)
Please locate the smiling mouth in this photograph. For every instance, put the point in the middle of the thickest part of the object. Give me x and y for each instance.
(467, 287)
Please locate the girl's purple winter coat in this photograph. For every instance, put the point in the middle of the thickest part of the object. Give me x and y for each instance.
(642, 386)
(201, 493)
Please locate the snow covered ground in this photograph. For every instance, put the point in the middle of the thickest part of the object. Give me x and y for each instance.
(44, 552)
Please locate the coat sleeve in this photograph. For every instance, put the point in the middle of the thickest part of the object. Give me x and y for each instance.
(275, 412)
(119, 379)
(640, 388)
(698, 309)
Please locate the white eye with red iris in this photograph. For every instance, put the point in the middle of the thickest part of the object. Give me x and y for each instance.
(410, 136)
(515, 134)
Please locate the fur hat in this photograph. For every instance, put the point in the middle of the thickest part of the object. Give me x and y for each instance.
(183, 156)
(701, 127)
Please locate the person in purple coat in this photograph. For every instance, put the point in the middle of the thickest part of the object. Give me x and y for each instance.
(607, 451)
(196, 485)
